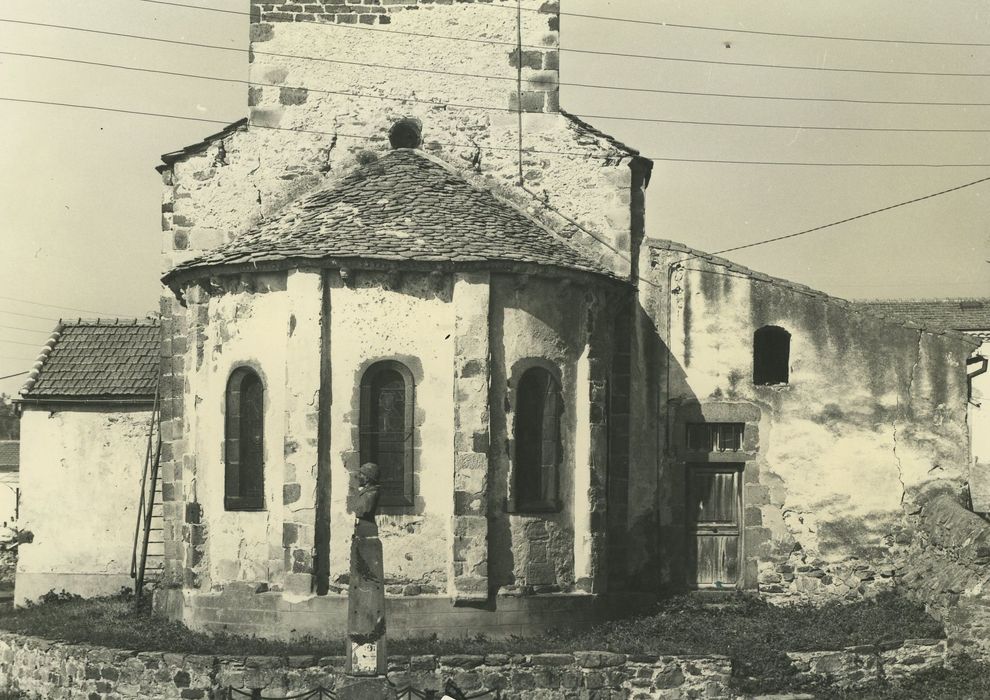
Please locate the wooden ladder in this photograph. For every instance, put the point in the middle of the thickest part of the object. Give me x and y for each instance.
(148, 555)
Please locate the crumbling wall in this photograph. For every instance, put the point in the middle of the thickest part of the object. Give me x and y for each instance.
(871, 424)
(71, 540)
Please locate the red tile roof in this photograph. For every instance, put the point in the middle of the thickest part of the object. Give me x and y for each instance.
(404, 207)
(104, 359)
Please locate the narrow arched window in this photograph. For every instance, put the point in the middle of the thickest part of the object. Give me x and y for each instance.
(244, 430)
(537, 442)
(771, 355)
(387, 429)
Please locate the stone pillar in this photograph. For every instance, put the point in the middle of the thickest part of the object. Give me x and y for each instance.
(173, 329)
(302, 381)
(468, 574)
(591, 501)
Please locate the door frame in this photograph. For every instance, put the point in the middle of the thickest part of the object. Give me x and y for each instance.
(691, 527)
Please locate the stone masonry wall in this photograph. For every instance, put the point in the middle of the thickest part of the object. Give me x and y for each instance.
(45, 669)
(947, 567)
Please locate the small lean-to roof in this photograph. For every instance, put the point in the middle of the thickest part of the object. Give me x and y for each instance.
(10, 455)
(403, 208)
(111, 360)
(169, 159)
(692, 255)
(971, 315)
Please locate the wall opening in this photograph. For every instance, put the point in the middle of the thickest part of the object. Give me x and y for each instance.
(406, 133)
(387, 429)
(771, 355)
(244, 429)
(538, 450)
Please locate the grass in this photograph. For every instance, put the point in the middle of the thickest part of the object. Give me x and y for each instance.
(752, 633)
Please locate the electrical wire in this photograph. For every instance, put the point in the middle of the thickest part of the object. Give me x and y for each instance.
(492, 108)
(15, 313)
(18, 342)
(494, 42)
(29, 330)
(54, 306)
(11, 376)
(834, 223)
(492, 148)
(673, 25)
(591, 86)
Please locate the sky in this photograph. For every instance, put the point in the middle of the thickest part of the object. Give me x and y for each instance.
(79, 196)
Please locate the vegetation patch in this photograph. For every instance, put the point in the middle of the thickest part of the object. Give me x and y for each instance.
(752, 633)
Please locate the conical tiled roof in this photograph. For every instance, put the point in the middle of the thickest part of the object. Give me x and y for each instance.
(402, 207)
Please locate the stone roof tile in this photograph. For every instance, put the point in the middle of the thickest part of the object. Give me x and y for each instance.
(404, 206)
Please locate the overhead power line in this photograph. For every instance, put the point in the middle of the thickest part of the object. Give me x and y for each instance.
(593, 52)
(54, 306)
(484, 76)
(836, 223)
(578, 154)
(29, 330)
(20, 342)
(11, 376)
(16, 313)
(672, 25)
(493, 108)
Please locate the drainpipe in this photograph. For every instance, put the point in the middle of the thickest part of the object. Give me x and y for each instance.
(970, 376)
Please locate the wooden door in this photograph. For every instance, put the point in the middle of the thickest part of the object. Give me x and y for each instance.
(714, 532)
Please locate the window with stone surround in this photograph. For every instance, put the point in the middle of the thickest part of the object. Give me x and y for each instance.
(538, 451)
(244, 428)
(387, 429)
(771, 355)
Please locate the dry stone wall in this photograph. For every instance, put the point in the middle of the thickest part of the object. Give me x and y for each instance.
(44, 669)
(947, 567)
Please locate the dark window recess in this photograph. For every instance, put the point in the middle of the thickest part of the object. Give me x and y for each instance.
(387, 430)
(771, 355)
(406, 133)
(715, 437)
(537, 442)
(244, 429)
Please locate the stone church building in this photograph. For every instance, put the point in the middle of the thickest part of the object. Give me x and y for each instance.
(410, 254)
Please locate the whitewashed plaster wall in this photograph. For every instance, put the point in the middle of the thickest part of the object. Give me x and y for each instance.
(871, 423)
(241, 329)
(539, 322)
(415, 325)
(80, 475)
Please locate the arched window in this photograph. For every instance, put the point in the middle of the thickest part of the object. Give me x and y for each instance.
(537, 442)
(244, 430)
(387, 429)
(771, 355)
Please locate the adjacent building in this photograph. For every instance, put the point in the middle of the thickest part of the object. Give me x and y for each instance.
(85, 418)
(971, 316)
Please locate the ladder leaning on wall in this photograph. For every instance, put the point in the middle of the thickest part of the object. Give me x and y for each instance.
(148, 555)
